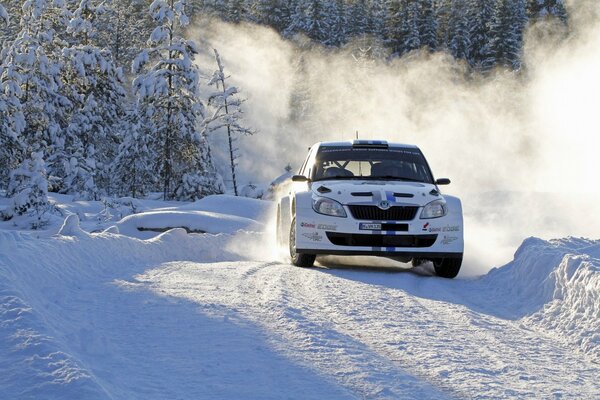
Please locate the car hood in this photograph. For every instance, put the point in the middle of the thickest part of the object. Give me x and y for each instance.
(373, 192)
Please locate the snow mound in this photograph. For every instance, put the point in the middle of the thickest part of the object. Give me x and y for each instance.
(225, 204)
(71, 227)
(555, 286)
(149, 224)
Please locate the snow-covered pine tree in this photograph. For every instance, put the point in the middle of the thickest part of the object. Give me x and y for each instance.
(358, 18)
(379, 13)
(428, 25)
(94, 84)
(337, 23)
(226, 114)
(310, 18)
(9, 21)
(274, 13)
(168, 95)
(507, 34)
(12, 121)
(133, 164)
(458, 30)
(29, 191)
(481, 16)
(35, 60)
(123, 29)
(394, 19)
(537, 9)
(236, 11)
(410, 27)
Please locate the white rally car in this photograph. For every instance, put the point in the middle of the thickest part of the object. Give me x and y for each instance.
(370, 198)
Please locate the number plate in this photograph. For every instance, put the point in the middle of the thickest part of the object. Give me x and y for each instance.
(369, 227)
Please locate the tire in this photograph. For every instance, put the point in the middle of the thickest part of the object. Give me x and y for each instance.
(299, 259)
(447, 267)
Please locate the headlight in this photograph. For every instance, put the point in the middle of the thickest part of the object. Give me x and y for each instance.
(326, 206)
(435, 209)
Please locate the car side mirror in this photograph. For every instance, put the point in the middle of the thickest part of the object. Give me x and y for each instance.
(299, 178)
(442, 181)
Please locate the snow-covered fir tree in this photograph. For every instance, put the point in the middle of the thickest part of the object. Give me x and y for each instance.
(358, 18)
(236, 11)
(226, 114)
(168, 95)
(428, 24)
(273, 13)
(123, 28)
(94, 85)
(337, 23)
(132, 169)
(35, 60)
(507, 34)
(309, 17)
(410, 27)
(393, 23)
(540, 9)
(12, 121)
(459, 31)
(29, 191)
(481, 16)
(9, 21)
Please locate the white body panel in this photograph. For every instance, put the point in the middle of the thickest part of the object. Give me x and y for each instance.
(312, 227)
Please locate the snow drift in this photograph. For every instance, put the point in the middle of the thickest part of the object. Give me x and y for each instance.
(555, 286)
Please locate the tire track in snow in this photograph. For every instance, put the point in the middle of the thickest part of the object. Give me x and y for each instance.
(381, 341)
(243, 287)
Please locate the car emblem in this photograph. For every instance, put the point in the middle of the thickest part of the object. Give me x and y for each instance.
(384, 205)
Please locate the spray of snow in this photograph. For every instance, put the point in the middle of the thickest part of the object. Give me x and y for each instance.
(520, 148)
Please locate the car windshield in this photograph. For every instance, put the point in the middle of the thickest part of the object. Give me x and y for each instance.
(407, 164)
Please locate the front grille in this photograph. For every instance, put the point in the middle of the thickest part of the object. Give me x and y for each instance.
(366, 240)
(374, 213)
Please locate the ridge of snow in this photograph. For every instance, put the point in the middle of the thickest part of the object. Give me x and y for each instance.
(554, 286)
(145, 225)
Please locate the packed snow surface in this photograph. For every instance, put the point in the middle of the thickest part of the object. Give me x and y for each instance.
(212, 316)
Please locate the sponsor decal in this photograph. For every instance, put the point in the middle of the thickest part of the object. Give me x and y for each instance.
(426, 226)
(451, 228)
(327, 227)
(433, 230)
(449, 239)
(363, 226)
(314, 236)
(307, 225)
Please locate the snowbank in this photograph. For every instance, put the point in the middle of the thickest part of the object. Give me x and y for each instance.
(554, 286)
(225, 204)
(146, 225)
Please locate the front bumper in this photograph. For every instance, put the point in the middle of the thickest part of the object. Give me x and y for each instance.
(418, 238)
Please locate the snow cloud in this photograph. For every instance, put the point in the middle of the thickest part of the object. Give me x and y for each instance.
(521, 149)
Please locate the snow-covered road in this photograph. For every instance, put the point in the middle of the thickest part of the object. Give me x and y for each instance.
(386, 334)
(201, 316)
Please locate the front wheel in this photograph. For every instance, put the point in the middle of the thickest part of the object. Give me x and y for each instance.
(447, 267)
(299, 259)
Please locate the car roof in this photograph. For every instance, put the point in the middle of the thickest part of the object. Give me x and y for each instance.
(365, 143)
